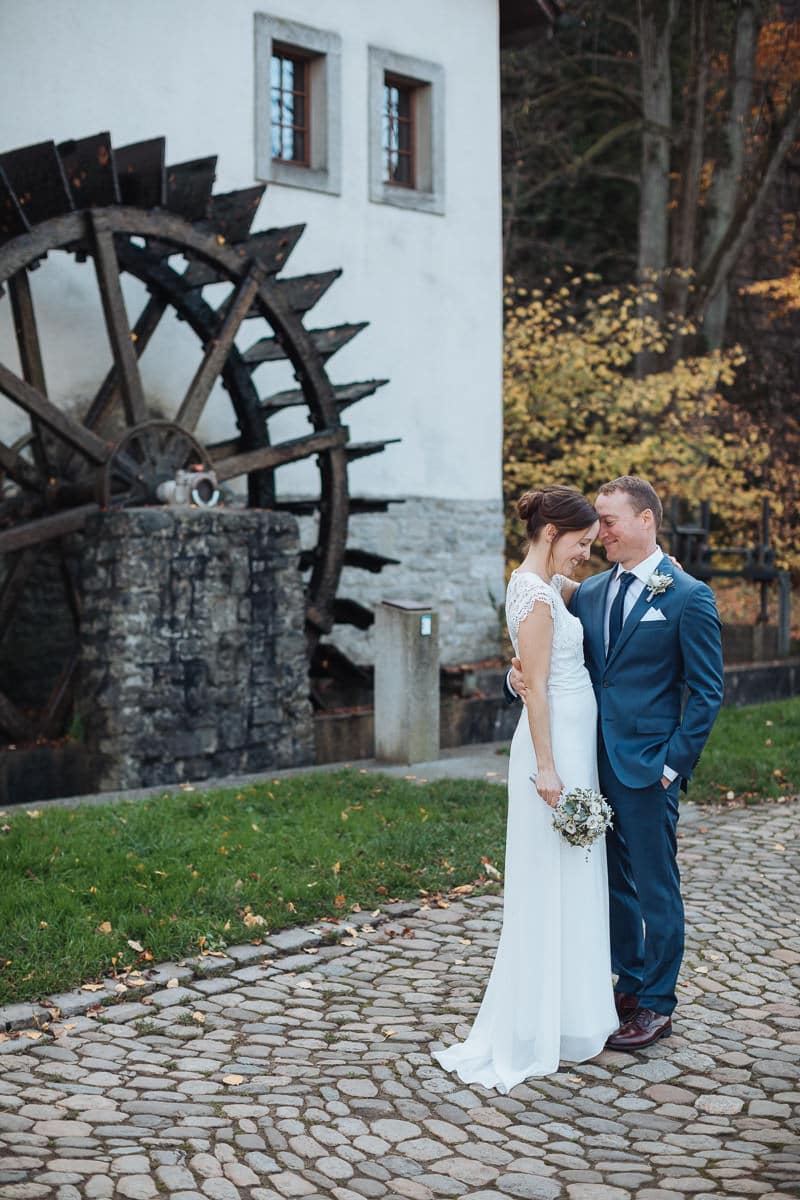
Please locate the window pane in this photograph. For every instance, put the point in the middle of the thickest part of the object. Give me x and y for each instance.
(289, 111)
(397, 131)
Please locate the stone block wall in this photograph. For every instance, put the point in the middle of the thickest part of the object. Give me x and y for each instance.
(193, 660)
(451, 553)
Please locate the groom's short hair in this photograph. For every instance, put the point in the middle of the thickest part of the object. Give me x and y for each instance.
(643, 495)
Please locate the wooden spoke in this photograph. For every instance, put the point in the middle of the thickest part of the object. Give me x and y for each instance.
(58, 701)
(269, 457)
(109, 390)
(45, 528)
(14, 585)
(38, 406)
(30, 354)
(119, 330)
(14, 722)
(217, 350)
(219, 450)
(19, 469)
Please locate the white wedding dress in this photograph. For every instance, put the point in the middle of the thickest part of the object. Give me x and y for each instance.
(549, 995)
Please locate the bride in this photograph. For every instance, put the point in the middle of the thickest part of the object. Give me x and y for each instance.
(549, 995)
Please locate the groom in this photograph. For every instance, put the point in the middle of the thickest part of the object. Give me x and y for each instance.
(651, 634)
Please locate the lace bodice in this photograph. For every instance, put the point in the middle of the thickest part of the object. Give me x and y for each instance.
(567, 670)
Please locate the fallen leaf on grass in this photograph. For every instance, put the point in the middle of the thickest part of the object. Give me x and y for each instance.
(104, 927)
(339, 900)
(33, 813)
(137, 946)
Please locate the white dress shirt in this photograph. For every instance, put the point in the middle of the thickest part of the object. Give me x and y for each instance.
(642, 572)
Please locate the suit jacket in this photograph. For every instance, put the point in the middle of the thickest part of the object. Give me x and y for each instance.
(659, 693)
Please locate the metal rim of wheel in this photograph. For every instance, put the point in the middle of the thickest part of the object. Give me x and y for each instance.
(129, 213)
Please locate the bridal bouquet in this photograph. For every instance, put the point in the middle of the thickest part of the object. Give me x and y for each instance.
(582, 816)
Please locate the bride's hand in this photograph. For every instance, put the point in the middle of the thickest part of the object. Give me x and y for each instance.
(549, 786)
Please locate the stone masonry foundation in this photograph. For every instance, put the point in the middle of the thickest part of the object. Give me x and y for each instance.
(451, 554)
(193, 660)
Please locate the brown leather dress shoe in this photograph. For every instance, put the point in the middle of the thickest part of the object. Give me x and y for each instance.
(643, 1028)
(625, 1004)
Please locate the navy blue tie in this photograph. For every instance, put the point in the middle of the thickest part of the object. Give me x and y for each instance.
(615, 620)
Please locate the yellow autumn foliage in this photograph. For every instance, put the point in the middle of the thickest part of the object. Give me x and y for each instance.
(575, 413)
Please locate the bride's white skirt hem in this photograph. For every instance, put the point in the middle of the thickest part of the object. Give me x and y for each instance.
(476, 1066)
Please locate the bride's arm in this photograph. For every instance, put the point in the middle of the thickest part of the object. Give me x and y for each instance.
(535, 648)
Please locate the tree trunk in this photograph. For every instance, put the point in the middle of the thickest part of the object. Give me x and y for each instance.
(727, 181)
(656, 20)
(716, 274)
(692, 144)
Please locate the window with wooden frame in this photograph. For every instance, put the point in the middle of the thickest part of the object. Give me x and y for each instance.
(406, 131)
(399, 134)
(290, 105)
(298, 105)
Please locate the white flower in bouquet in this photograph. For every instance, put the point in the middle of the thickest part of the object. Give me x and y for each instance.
(582, 816)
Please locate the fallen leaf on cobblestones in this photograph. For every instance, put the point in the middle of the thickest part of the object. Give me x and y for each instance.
(92, 987)
(199, 1017)
(33, 1034)
(233, 1080)
(172, 983)
(779, 846)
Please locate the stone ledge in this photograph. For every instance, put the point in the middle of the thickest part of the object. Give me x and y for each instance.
(279, 949)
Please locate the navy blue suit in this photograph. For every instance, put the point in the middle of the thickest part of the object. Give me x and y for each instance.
(658, 696)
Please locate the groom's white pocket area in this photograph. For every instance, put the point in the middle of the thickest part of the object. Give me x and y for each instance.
(653, 614)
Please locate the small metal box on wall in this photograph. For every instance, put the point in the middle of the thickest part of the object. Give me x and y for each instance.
(406, 681)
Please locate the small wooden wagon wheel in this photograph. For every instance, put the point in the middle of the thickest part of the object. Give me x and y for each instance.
(128, 213)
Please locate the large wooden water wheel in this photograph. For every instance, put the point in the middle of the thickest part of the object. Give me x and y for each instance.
(128, 213)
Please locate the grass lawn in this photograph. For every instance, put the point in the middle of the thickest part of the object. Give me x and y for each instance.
(196, 870)
(753, 752)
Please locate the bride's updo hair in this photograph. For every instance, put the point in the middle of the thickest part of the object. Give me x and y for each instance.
(563, 507)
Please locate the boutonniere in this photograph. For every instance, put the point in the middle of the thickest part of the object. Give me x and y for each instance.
(657, 584)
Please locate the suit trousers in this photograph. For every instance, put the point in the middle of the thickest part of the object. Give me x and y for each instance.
(646, 909)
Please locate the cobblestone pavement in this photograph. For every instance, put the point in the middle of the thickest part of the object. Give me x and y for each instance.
(312, 1076)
